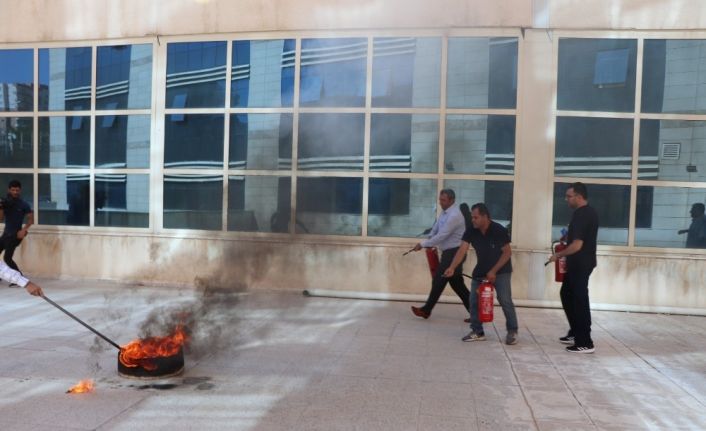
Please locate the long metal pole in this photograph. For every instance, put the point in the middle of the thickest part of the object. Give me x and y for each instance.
(82, 322)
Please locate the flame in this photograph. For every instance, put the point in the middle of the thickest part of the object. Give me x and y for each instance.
(142, 352)
(81, 387)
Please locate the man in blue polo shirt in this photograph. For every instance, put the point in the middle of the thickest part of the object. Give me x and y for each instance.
(491, 243)
(14, 210)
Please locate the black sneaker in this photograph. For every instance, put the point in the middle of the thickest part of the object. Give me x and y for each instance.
(580, 349)
(567, 339)
(14, 285)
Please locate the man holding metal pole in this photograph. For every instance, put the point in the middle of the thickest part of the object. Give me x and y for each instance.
(9, 274)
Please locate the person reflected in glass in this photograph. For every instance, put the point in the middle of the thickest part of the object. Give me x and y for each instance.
(696, 234)
(14, 210)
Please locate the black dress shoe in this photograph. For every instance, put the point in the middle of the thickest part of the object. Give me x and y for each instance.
(420, 313)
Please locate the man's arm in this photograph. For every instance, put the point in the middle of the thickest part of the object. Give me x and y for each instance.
(452, 225)
(573, 248)
(30, 221)
(458, 258)
(504, 258)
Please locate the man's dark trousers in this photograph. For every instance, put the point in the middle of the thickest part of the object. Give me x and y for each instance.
(574, 300)
(439, 283)
(8, 243)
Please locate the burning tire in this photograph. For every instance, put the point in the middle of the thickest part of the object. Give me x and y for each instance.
(154, 357)
(154, 368)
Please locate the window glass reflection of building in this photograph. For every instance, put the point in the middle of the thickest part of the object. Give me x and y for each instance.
(196, 75)
(262, 73)
(193, 202)
(16, 80)
(65, 79)
(124, 77)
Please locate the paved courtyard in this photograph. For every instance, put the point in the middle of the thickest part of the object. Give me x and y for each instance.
(282, 361)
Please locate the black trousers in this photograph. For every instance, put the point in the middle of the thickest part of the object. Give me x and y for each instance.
(8, 243)
(438, 282)
(574, 300)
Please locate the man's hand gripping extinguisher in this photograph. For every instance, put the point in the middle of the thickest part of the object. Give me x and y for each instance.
(485, 301)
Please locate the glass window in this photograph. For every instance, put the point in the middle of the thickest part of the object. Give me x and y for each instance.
(193, 141)
(482, 72)
(329, 206)
(122, 200)
(480, 144)
(27, 181)
(64, 199)
(193, 202)
(497, 196)
(612, 203)
(259, 203)
(406, 72)
(16, 80)
(64, 142)
(123, 141)
(671, 217)
(260, 141)
(124, 77)
(262, 73)
(65, 79)
(333, 72)
(672, 150)
(597, 74)
(16, 142)
(196, 74)
(401, 207)
(673, 76)
(404, 143)
(331, 142)
(593, 147)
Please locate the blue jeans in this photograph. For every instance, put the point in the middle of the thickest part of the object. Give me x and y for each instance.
(503, 290)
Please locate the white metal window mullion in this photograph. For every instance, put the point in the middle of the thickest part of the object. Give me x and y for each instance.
(441, 157)
(295, 138)
(635, 143)
(157, 142)
(366, 136)
(35, 136)
(226, 136)
(92, 140)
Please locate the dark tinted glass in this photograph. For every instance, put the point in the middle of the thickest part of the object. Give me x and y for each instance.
(480, 144)
(64, 142)
(497, 195)
(329, 206)
(64, 199)
(123, 141)
(262, 73)
(193, 141)
(482, 72)
(259, 203)
(65, 79)
(331, 141)
(404, 143)
(671, 217)
(193, 202)
(260, 141)
(27, 181)
(333, 72)
(593, 147)
(672, 150)
(122, 200)
(406, 72)
(16, 142)
(597, 74)
(124, 77)
(16, 80)
(400, 207)
(196, 74)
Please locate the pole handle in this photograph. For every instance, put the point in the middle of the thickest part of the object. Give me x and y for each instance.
(82, 323)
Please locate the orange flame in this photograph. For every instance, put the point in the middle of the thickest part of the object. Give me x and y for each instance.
(81, 387)
(141, 352)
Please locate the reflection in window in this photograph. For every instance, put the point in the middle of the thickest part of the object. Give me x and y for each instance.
(16, 142)
(497, 195)
(406, 72)
(593, 147)
(329, 206)
(260, 141)
(259, 203)
(333, 72)
(673, 76)
(124, 77)
(65, 79)
(597, 74)
(262, 73)
(64, 199)
(400, 207)
(674, 217)
(404, 143)
(193, 202)
(482, 72)
(27, 181)
(672, 150)
(64, 142)
(193, 141)
(16, 80)
(612, 203)
(331, 142)
(122, 200)
(480, 144)
(122, 141)
(196, 74)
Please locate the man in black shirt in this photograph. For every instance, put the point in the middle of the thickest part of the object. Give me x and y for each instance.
(14, 210)
(580, 261)
(491, 243)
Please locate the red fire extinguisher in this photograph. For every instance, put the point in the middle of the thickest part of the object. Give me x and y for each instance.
(559, 264)
(432, 260)
(485, 301)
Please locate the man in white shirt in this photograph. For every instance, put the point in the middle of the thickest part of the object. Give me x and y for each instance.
(9, 274)
(446, 236)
